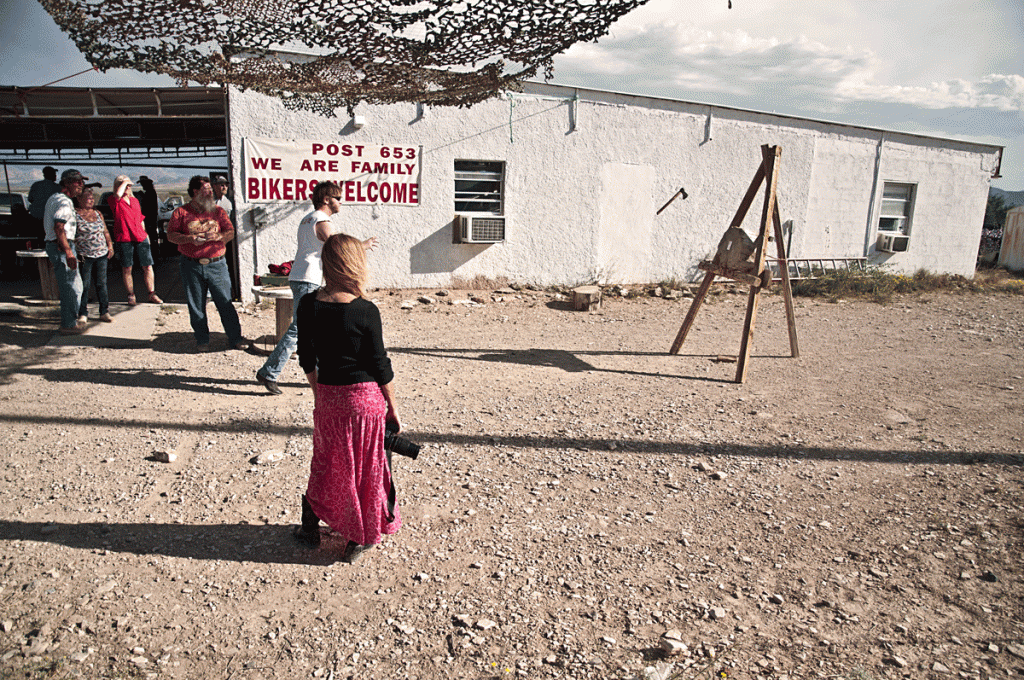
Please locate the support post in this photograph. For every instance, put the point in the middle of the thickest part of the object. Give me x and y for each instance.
(698, 299)
(770, 165)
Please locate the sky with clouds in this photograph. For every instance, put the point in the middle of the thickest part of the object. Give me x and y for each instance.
(948, 68)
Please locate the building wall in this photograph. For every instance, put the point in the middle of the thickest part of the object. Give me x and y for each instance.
(586, 171)
(1011, 250)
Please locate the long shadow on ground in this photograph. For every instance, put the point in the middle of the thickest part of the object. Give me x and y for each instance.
(622, 446)
(266, 544)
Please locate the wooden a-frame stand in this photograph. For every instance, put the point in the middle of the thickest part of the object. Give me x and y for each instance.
(768, 173)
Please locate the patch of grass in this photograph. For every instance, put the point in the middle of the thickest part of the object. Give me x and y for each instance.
(478, 282)
(881, 286)
(673, 283)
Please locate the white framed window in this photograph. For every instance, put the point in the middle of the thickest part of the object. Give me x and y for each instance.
(480, 187)
(897, 209)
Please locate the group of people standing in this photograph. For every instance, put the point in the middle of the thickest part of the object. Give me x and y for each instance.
(337, 332)
(79, 244)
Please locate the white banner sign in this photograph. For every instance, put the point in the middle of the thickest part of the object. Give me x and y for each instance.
(279, 170)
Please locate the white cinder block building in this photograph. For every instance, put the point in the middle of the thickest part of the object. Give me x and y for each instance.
(567, 181)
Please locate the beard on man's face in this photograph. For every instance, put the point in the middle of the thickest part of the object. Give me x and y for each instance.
(205, 202)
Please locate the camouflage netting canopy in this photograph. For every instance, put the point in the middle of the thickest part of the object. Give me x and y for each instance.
(325, 54)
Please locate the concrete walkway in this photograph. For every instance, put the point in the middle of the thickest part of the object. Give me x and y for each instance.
(132, 327)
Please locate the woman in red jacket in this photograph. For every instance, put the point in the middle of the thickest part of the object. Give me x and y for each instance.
(130, 238)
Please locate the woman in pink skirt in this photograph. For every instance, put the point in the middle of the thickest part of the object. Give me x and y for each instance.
(341, 350)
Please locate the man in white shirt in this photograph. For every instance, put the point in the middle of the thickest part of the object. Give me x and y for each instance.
(306, 275)
(60, 224)
(219, 184)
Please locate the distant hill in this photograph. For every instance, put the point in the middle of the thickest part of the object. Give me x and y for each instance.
(1011, 198)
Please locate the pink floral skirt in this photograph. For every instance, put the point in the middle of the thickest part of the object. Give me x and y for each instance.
(349, 477)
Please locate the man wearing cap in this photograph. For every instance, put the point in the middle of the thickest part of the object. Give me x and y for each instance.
(151, 212)
(200, 228)
(60, 226)
(39, 193)
(220, 194)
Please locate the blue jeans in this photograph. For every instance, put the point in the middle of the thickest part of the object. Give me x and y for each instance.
(94, 267)
(198, 279)
(278, 359)
(69, 285)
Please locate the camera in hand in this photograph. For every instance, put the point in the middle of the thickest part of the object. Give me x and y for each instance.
(399, 445)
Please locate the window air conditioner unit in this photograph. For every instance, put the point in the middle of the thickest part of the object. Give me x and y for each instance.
(479, 228)
(892, 243)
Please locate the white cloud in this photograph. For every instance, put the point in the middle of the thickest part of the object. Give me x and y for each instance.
(806, 73)
(999, 92)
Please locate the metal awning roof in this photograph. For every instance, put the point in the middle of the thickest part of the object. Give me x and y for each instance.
(66, 123)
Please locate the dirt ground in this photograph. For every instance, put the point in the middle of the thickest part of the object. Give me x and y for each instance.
(853, 513)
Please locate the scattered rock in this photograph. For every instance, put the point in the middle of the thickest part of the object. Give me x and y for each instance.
(672, 647)
(1016, 650)
(37, 646)
(268, 457)
(79, 657)
(165, 456)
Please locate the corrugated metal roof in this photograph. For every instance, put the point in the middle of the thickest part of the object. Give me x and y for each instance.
(60, 118)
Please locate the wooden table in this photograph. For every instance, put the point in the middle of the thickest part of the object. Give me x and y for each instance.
(282, 298)
(47, 279)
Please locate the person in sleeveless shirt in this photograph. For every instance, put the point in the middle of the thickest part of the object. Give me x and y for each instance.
(306, 274)
(94, 246)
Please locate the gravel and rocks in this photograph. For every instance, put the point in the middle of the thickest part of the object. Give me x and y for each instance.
(585, 505)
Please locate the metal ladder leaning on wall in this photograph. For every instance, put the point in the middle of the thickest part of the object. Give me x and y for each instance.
(813, 267)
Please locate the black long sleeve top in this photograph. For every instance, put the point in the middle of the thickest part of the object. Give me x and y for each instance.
(342, 341)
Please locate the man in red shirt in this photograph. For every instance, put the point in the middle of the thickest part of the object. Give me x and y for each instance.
(200, 228)
(130, 238)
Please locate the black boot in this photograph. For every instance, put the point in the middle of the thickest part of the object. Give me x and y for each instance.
(309, 533)
(353, 551)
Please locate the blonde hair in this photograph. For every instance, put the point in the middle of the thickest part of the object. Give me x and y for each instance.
(344, 263)
(123, 178)
(79, 200)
